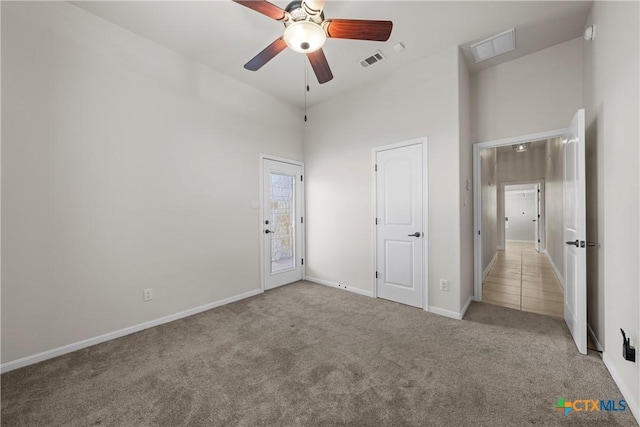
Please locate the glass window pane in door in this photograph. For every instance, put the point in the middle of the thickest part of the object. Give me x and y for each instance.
(282, 222)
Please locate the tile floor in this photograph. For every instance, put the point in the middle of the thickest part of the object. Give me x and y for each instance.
(523, 279)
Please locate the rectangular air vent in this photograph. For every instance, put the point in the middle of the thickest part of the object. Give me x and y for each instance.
(494, 46)
(375, 58)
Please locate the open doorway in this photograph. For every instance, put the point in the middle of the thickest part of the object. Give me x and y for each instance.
(565, 175)
(524, 218)
(516, 271)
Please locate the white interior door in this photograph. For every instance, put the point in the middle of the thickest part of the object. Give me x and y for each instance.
(282, 223)
(399, 218)
(536, 217)
(575, 232)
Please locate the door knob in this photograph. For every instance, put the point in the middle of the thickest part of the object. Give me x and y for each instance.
(267, 231)
(416, 234)
(576, 243)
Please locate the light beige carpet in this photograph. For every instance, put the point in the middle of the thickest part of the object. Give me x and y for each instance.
(306, 355)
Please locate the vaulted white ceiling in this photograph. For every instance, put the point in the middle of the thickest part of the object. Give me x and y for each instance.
(225, 35)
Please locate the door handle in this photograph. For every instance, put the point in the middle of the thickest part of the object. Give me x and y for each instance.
(267, 231)
(416, 234)
(576, 243)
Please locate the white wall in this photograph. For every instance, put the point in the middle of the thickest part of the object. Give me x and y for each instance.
(419, 100)
(534, 93)
(124, 166)
(489, 195)
(520, 208)
(514, 167)
(611, 66)
(554, 203)
(466, 173)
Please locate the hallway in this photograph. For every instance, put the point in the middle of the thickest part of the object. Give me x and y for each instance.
(523, 279)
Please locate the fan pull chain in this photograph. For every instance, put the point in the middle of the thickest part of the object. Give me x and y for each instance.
(306, 83)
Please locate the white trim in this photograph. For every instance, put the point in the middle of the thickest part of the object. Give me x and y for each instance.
(523, 138)
(594, 338)
(500, 248)
(303, 245)
(477, 225)
(281, 159)
(477, 200)
(425, 212)
(448, 313)
(50, 354)
(486, 271)
(466, 307)
(338, 285)
(556, 271)
(619, 380)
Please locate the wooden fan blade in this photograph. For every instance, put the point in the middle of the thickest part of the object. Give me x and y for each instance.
(356, 29)
(320, 66)
(265, 8)
(266, 55)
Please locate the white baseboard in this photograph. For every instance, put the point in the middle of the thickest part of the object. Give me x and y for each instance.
(339, 286)
(594, 338)
(447, 313)
(556, 271)
(500, 247)
(50, 354)
(466, 306)
(486, 271)
(619, 380)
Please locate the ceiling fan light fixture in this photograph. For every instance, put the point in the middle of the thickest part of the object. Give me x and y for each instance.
(304, 36)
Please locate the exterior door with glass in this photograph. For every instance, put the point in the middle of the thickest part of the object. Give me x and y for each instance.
(282, 221)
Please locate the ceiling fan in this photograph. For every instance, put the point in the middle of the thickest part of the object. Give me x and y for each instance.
(306, 30)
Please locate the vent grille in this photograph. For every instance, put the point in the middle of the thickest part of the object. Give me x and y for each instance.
(494, 46)
(373, 59)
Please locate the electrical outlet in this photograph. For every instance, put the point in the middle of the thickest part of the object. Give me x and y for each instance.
(148, 294)
(444, 285)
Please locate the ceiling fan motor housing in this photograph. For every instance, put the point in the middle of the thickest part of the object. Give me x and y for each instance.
(298, 12)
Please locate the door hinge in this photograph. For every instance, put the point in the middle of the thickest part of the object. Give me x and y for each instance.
(301, 220)
(301, 178)
(302, 261)
(376, 274)
(538, 240)
(538, 215)
(375, 167)
(478, 232)
(376, 221)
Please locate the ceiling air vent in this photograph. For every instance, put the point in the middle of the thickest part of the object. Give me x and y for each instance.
(494, 46)
(376, 57)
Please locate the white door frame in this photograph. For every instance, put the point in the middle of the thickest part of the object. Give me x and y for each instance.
(425, 214)
(477, 197)
(261, 158)
(541, 224)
